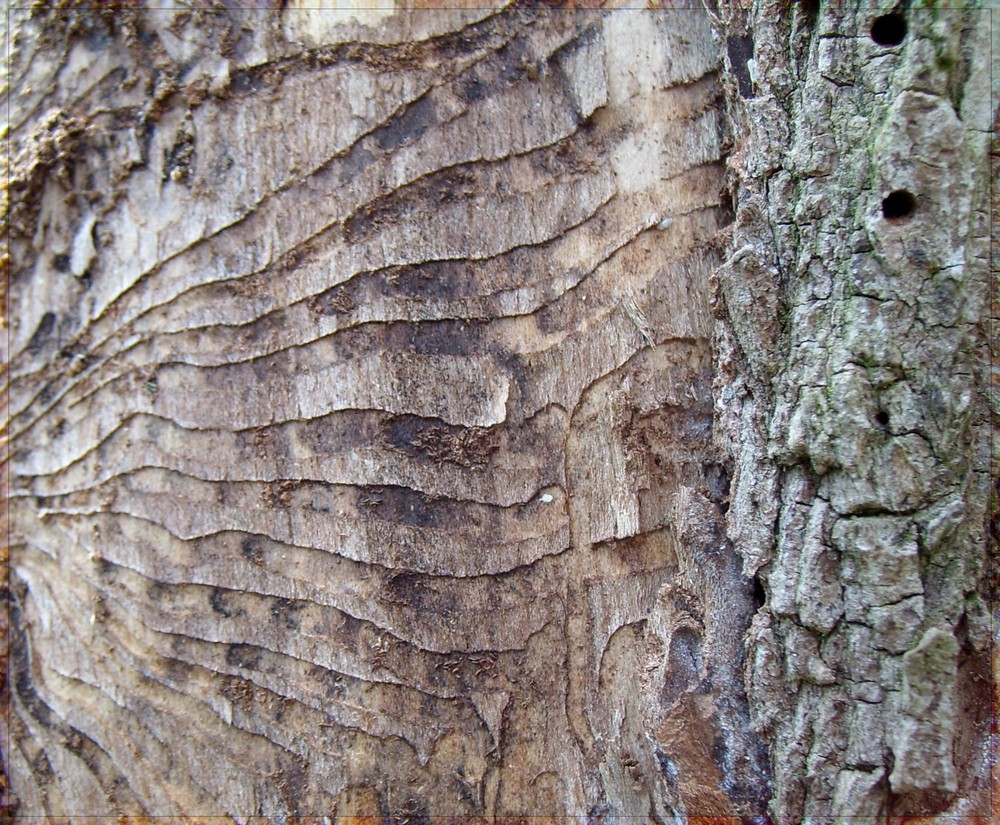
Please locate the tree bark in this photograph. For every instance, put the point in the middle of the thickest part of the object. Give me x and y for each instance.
(499, 412)
(855, 402)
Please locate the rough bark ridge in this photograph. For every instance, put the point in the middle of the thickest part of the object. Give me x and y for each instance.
(852, 385)
(362, 406)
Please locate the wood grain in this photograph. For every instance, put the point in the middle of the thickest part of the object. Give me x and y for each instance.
(361, 415)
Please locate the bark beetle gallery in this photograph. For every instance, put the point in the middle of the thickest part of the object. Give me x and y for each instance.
(498, 412)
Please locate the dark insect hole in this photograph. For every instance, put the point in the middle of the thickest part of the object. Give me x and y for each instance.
(898, 205)
(889, 29)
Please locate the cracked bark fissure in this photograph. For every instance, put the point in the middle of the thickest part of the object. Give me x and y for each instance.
(376, 380)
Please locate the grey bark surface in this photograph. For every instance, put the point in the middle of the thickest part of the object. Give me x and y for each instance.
(376, 380)
(855, 399)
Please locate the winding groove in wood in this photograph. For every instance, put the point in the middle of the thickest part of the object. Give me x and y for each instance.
(352, 471)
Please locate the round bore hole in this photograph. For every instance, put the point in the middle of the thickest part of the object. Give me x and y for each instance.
(882, 417)
(898, 205)
(889, 29)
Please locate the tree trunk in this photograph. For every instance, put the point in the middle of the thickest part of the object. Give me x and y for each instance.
(499, 411)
